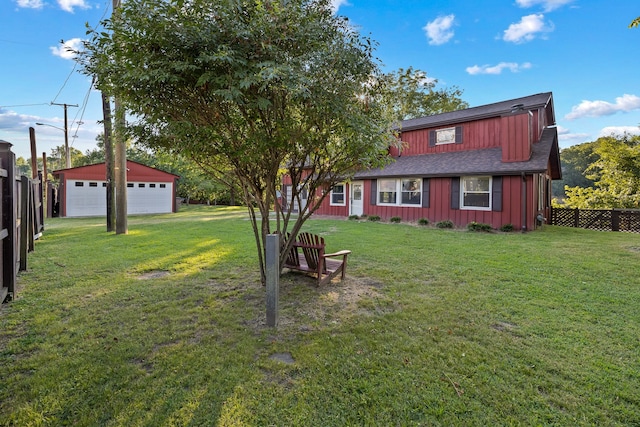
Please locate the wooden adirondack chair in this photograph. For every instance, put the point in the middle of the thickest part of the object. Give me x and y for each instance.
(307, 255)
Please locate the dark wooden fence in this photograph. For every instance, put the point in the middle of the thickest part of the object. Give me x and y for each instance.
(21, 218)
(627, 220)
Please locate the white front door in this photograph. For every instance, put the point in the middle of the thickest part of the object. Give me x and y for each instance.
(356, 205)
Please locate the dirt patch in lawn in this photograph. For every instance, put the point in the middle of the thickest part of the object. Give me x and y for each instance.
(303, 307)
(155, 274)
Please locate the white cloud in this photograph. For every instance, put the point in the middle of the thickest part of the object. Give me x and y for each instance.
(547, 5)
(335, 4)
(67, 49)
(12, 121)
(619, 130)
(565, 134)
(497, 69)
(439, 30)
(624, 103)
(527, 29)
(30, 4)
(68, 5)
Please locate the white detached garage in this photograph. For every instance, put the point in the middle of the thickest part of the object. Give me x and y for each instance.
(83, 190)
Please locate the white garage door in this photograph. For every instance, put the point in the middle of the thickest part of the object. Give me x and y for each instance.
(89, 198)
(145, 198)
(86, 198)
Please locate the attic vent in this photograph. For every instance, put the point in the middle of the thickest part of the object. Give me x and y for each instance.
(517, 107)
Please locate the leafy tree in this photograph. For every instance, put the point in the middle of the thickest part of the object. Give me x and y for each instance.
(575, 161)
(248, 89)
(23, 167)
(408, 94)
(616, 174)
(635, 22)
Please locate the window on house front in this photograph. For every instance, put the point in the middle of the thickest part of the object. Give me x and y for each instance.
(141, 185)
(130, 184)
(163, 185)
(387, 192)
(79, 184)
(93, 184)
(410, 190)
(152, 186)
(446, 136)
(337, 195)
(475, 192)
(451, 135)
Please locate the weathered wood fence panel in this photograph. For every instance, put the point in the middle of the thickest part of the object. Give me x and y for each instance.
(21, 220)
(625, 220)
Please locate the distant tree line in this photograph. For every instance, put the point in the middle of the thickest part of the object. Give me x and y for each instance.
(602, 174)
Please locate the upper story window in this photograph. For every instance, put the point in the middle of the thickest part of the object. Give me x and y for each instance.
(337, 195)
(475, 192)
(409, 191)
(446, 136)
(452, 135)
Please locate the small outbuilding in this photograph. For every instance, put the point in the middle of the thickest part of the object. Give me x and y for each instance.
(83, 190)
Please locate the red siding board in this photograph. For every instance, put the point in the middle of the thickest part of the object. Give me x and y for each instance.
(440, 206)
(516, 144)
(475, 135)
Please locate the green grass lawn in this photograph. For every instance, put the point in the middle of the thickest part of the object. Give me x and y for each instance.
(166, 326)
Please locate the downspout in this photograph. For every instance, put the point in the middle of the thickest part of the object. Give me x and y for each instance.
(524, 202)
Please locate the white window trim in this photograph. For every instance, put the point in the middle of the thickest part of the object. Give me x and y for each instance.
(449, 141)
(344, 196)
(476, 208)
(398, 182)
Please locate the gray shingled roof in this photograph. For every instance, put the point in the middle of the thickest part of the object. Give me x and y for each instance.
(474, 162)
(477, 113)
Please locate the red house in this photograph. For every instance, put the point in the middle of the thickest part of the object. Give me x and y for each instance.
(491, 164)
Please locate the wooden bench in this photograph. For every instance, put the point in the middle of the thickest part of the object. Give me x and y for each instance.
(307, 255)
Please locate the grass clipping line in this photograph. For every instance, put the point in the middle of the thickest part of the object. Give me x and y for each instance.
(459, 390)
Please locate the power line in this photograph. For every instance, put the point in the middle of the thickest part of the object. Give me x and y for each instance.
(24, 105)
(106, 10)
(65, 82)
(82, 111)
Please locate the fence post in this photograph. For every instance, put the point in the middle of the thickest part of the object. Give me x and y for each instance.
(272, 246)
(576, 218)
(9, 221)
(25, 221)
(615, 220)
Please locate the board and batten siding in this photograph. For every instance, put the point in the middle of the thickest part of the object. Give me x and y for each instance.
(440, 190)
(475, 136)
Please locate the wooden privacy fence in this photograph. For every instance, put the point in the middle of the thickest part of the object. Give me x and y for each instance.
(627, 220)
(21, 217)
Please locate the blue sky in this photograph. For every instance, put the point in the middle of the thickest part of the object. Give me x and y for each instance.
(581, 50)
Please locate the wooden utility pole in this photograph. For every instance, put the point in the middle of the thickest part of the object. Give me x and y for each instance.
(120, 171)
(34, 155)
(67, 153)
(108, 160)
(120, 161)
